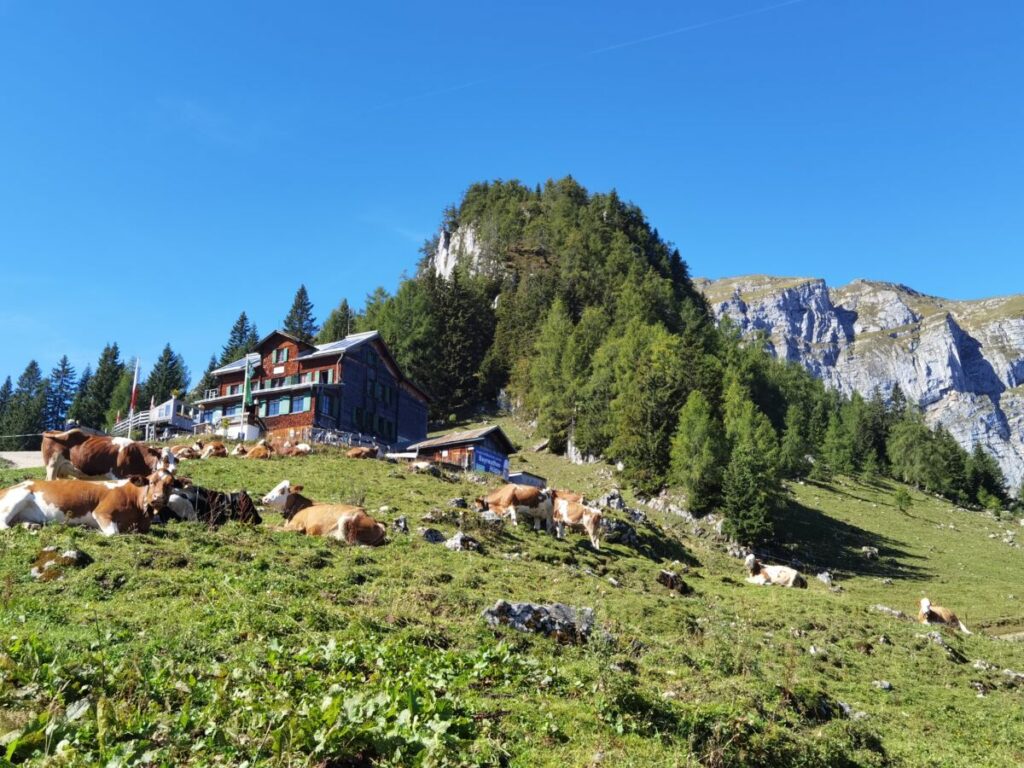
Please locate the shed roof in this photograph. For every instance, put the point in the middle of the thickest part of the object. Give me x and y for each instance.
(469, 436)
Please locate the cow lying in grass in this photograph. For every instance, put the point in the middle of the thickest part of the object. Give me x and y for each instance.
(112, 507)
(191, 502)
(262, 450)
(936, 614)
(337, 521)
(766, 575)
(577, 516)
(512, 500)
(100, 454)
(361, 453)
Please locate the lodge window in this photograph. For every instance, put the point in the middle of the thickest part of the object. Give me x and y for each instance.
(281, 355)
(234, 389)
(325, 404)
(275, 383)
(327, 377)
(300, 404)
(279, 407)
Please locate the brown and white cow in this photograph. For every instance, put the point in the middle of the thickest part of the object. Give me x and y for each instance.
(338, 521)
(768, 575)
(362, 453)
(187, 451)
(936, 614)
(239, 450)
(578, 517)
(112, 507)
(262, 450)
(100, 454)
(512, 500)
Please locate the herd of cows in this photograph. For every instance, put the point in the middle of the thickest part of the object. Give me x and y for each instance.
(119, 485)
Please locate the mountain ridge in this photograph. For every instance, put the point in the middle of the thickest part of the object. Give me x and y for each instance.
(961, 360)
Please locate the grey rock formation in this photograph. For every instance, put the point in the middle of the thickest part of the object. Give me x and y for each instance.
(564, 623)
(962, 361)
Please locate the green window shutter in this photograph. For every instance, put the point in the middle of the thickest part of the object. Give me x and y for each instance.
(263, 408)
(286, 403)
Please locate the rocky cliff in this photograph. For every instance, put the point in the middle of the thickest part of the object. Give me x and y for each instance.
(962, 361)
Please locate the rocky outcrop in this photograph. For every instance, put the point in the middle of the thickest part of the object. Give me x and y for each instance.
(962, 361)
(454, 248)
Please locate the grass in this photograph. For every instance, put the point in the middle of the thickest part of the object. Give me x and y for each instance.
(251, 646)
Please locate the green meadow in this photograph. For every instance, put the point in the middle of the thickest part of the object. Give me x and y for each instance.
(251, 646)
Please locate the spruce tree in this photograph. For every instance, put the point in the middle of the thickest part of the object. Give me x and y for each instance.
(337, 325)
(208, 381)
(838, 448)
(169, 376)
(548, 395)
(795, 445)
(299, 322)
(26, 411)
(80, 394)
(242, 339)
(699, 452)
(6, 392)
(60, 394)
(651, 392)
(751, 490)
(91, 410)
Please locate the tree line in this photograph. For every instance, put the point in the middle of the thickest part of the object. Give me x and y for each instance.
(577, 310)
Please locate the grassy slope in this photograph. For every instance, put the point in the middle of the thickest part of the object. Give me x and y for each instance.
(194, 644)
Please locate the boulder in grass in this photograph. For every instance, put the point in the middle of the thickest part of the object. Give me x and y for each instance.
(432, 535)
(674, 581)
(562, 622)
(460, 542)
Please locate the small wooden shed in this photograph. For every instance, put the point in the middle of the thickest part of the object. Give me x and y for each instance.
(485, 450)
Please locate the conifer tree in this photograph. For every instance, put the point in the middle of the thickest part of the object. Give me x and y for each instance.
(207, 382)
(338, 324)
(699, 453)
(6, 392)
(651, 393)
(838, 448)
(80, 393)
(92, 403)
(60, 394)
(751, 491)
(26, 411)
(549, 396)
(168, 376)
(795, 446)
(242, 339)
(299, 322)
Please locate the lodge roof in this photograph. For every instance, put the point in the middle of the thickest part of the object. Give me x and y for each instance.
(314, 350)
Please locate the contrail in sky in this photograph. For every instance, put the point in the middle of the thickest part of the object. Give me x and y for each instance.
(595, 52)
(692, 27)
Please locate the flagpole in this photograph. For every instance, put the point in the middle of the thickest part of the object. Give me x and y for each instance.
(131, 407)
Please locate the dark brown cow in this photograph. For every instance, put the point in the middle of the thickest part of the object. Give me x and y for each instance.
(113, 507)
(512, 499)
(100, 454)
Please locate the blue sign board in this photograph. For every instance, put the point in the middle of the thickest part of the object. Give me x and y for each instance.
(486, 460)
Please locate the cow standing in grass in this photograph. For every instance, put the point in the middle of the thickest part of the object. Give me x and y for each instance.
(99, 454)
(513, 500)
(577, 516)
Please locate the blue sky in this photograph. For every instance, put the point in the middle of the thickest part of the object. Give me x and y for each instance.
(165, 165)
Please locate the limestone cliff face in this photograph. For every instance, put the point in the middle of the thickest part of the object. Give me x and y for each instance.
(962, 361)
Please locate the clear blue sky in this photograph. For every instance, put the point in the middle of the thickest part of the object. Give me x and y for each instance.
(165, 165)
